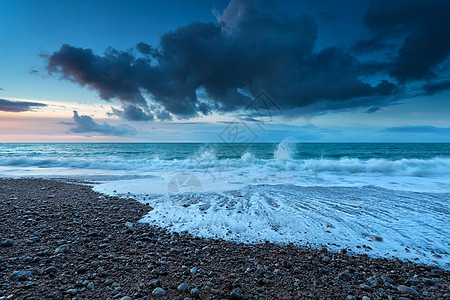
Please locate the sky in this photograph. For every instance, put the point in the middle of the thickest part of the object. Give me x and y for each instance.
(224, 71)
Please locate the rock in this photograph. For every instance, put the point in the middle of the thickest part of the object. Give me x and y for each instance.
(428, 281)
(155, 283)
(159, 292)
(235, 295)
(350, 297)
(62, 249)
(408, 290)
(195, 292)
(7, 243)
(125, 298)
(20, 275)
(90, 286)
(50, 270)
(184, 287)
(365, 287)
(365, 298)
(193, 270)
(72, 292)
(326, 259)
(129, 225)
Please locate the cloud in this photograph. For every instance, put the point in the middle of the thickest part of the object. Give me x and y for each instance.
(421, 29)
(132, 113)
(436, 87)
(19, 106)
(86, 125)
(252, 47)
(420, 129)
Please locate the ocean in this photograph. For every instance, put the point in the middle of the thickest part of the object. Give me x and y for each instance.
(383, 199)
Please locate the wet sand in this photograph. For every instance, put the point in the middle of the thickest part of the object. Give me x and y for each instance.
(64, 241)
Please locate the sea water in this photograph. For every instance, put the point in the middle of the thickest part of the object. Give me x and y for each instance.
(383, 199)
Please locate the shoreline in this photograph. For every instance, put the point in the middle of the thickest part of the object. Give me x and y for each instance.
(62, 240)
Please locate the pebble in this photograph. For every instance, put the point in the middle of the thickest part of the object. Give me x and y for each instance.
(159, 292)
(235, 295)
(184, 287)
(365, 298)
(194, 270)
(326, 259)
(408, 290)
(51, 269)
(125, 298)
(62, 249)
(365, 287)
(7, 243)
(195, 292)
(90, 286)
(72, 291)
(155, 283)
(20, 275)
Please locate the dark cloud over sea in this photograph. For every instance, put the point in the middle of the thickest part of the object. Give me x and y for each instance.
(219, 67)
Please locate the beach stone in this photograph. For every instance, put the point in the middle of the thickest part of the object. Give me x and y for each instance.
(51, 269)
(90, 286)
(235, 295)
(429, 281)
(125, 298)
(155, 283)
(159, 292)
(365, 287)
(184, 287)
(193, 270)
(195, 292)
(62, 249)
(72, 291)
(365, 298)
(20, 275)
(7, 243)
(326, 259)
(408, 290)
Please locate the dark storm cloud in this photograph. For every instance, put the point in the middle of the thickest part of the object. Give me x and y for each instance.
(19, 106)
(420, 129)
(252, 47)
(87, 126)
(436, 87)
(422, 29)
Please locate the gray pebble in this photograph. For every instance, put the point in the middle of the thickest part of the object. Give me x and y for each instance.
(72, 291)
(195, 292)
(125, 298)
(184, 287)
(194, 270)
(19, 275)
(7, 243)
(408, 290)
(62, 249)
(365, 287)
(235, 295)
(155, 283)
(159, 292)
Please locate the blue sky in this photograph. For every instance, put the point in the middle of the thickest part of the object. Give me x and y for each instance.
(347, 71)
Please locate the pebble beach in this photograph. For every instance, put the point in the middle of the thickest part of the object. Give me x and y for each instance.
(61, 240)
